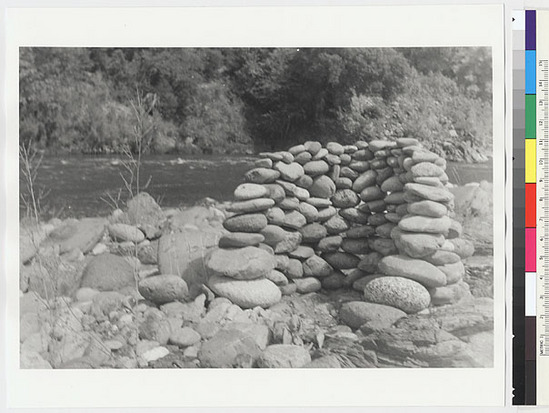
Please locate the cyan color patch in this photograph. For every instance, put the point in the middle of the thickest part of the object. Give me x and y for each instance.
(530, 69)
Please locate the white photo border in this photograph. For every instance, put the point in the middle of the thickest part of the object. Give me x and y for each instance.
(301, 26)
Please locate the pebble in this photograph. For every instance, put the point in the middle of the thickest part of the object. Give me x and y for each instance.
(277, 277)
(449, 294)
(309, 212)
(426, 169)
(288, 289)
(262, 176)
(325, 214)
(346, 172)
(295, 269)
(246, 293)
(354, 215)
(275, 216)
(155, 354)
(85, 294)
(290, 172)
(289, 243)
(323, 187)
(241, 239)
(384, 246)
(454, 272)
(369, 262)
(357, 313)
(321, 154)
(272, 235)
(392, 184)
(304, 181)
(284, 356)
(462, 247)
(99, 249)
(162, 289)
(371, 193)
(294, 150)
(333, 281)
(331, 243)
(241, 264)
(335, 148)
(319, 202)
(427, 208)
(184, 337)
(316, 266)
(336, 225)
(245, 223)
(294, 220)
(263, 163)
(416, 245)
(429, 192)
(289, 204)
(251, 205)
(341, 260)
(417, 223)
(355, 245)
(244, 192)
(302, 252)
(307, 285)
(313, 233)
(303, 157)
(315, 168)
(442, 258)
(313, 147)
(275, 192)
(364, 231)
(414, 269)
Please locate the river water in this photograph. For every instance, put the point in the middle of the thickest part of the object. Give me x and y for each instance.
(79, 185)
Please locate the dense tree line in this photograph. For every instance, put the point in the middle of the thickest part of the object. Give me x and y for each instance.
(250, 99)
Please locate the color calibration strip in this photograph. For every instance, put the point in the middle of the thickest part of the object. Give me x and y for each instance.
(531, 163)
(519, 202)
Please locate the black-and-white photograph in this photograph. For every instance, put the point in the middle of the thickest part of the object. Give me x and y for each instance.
(188, 208)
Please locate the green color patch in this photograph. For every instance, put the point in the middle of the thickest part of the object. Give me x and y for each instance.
(530, 120)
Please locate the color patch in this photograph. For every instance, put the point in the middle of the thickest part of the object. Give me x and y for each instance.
(530, 121)
(530, 72)
(530, 161)
(530, 250)
(530, 205)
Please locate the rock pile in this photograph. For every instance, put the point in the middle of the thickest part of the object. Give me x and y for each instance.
(374, 216)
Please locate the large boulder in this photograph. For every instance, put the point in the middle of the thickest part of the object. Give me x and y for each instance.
(246, 293)
(82, 235)
(146, 214)
(184, 254)
(241, 264)
(402, 293)
(125, 232)
(107, 272)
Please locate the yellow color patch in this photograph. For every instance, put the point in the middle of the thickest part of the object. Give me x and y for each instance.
(530, 161)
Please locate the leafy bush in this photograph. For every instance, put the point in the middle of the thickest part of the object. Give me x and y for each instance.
(238, 100)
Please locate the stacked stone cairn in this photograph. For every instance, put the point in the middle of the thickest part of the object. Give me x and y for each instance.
(374, 216)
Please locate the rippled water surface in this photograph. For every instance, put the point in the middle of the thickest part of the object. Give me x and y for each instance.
(77, 184)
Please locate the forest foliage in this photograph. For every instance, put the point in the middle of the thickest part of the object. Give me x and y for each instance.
(244, 100)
